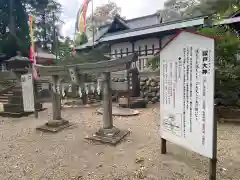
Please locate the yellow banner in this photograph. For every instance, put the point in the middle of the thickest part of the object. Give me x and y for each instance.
(81, 22)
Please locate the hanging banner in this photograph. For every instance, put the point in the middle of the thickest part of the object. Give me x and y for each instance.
(32, 56)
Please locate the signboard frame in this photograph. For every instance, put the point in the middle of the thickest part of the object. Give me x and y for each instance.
(165, 108)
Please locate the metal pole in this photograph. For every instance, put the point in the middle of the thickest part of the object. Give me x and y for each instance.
(55, 46)
(93, 30)
(12, 27)
(213, 160)
(34, 83)
(128, 86)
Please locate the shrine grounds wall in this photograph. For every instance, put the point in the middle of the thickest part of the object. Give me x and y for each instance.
(150, 86)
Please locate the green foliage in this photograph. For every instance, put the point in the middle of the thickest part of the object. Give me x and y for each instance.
(227, 63)
(81, 39)
(65, 50)
(14, 28)
(47, 20)
(219, 7)
(14, 31)
(181, 9)
(154, 62)
(95, 55)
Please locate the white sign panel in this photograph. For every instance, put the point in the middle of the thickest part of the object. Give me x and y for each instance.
(27, 92)
(187, 92)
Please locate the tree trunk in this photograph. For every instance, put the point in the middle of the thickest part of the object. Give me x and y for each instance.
(44, 29)
(12, 25)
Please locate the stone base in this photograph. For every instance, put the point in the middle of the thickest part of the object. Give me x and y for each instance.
(19, 114)
(109, 136)
(118, 111)
(135, 103)
(82, 105)
(54, 126)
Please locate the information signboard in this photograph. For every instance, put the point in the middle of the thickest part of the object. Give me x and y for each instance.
(187, 92)
(28, 92)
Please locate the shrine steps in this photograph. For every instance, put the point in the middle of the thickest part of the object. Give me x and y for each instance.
(11, 102)
(4, 98)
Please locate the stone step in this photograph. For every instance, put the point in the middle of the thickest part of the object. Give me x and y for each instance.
(4, 97)
(4, 101)
(17, 108)
(134, 102)
(17, 93)
(15, 100)
(7, 94)
(13, 108)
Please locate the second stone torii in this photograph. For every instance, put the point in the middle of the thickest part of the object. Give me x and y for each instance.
(108, 133)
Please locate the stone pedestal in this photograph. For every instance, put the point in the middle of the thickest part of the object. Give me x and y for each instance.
(108, 134)
(54, 126)
(57, 123)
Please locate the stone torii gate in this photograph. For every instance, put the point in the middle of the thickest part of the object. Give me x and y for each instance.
(108, 133)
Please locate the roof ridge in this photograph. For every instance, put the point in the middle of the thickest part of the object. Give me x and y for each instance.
(136, 18)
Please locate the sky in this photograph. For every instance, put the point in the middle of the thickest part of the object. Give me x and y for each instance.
(129, 9)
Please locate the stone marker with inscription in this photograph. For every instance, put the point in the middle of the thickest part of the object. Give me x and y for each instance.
(28, 92)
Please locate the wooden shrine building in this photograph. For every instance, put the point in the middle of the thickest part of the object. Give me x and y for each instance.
(143, 35)
(43, 57)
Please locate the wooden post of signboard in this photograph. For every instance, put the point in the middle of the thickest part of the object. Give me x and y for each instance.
(213, 160)
(213, 168)
(128, 86)
(163, 146)
(35, 98)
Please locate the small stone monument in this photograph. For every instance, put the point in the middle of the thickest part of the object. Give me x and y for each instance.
(17, 67)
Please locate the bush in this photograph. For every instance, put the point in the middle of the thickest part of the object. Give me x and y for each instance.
(227, 65)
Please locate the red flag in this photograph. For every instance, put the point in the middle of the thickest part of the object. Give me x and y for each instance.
(85, 14)
(32, 56)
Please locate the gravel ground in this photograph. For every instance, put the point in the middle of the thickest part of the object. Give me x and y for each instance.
(30, 155)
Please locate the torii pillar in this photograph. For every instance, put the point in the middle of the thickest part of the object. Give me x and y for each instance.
(55, 124)
(108, 133)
